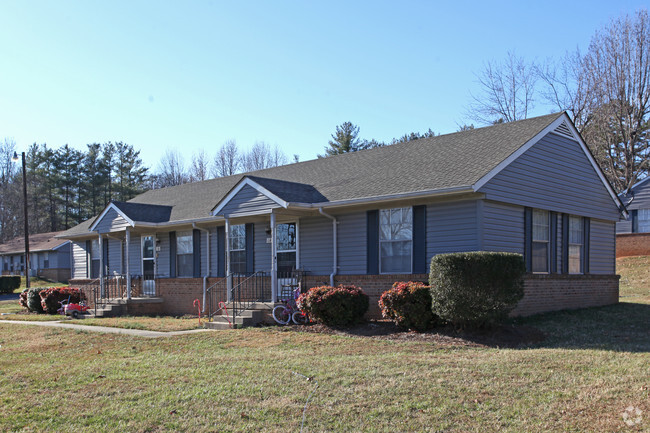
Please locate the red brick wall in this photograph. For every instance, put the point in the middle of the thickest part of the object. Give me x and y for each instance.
(544, 293)
(632, 244)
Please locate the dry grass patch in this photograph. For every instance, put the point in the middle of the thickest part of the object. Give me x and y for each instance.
(162, 324)
(635, 278)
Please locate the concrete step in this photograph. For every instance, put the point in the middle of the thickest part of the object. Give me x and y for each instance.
(244, 319)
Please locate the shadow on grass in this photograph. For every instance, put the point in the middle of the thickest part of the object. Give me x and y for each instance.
(624, 327)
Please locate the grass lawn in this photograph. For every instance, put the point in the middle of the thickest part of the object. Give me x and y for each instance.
(593, 365)
(37, 282)
(164, 324)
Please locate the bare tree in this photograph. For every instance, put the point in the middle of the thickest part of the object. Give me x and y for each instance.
(617, 71)
(507, 91)
(564, 87)
(200, 167)
(262, 156)
(227, 161)
(9, 191)
(171, 170)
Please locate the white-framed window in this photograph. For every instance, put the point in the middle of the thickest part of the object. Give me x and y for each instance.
(286, 235)
(541, 241)
(94, 258)
(576, 244)
(396, 240)
(237, 247)
(184, 254)
(643, 220)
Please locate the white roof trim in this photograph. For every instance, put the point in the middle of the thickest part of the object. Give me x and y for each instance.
(105, 211)
(247, 181)
(551, 128)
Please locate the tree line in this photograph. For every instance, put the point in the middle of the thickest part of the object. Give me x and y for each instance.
(65, 186)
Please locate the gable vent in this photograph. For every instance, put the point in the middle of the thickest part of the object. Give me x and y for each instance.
(564, 129)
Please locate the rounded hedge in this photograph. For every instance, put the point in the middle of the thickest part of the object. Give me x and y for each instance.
(335, 306)
(52, 297)
(476, 289)
(408, 304)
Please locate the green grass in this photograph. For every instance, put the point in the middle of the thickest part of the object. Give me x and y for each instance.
(37, 282)
(593, 365)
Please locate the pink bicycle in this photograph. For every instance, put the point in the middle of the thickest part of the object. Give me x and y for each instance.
(289, 312)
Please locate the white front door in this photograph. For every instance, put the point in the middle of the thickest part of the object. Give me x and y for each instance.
(148, 265)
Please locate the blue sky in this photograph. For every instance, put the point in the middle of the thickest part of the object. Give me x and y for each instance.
(189, 75)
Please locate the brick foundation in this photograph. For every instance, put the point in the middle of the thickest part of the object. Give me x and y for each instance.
(60, 274)
(544, 293)
(632, 244)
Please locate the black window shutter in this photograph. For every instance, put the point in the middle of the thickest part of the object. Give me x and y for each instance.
(565, 243)
(419, 240)
(89, 245)
(172, 254)
(635, 220)
(528, 238)
(586, 247)
(196, 252)
(221, 251)
(105, 261)
(553, 242)
(250, 249)
(372, 227)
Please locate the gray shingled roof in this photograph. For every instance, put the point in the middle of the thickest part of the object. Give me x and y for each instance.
(446, 161)
(37, 242)
(149, 213)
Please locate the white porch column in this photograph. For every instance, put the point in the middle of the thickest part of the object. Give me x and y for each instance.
(228, 274)
(126, 263)
(101, 264)
(274, 262)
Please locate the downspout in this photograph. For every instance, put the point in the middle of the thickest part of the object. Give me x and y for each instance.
(335, 265)
(207, 274)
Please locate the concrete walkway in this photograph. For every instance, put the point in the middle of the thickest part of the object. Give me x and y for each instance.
(106, 329)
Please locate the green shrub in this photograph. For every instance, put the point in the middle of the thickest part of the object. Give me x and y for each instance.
(408, 304)
(52, 297)
(476, 289)
(335, 306)
(31, 299)
(9, 283)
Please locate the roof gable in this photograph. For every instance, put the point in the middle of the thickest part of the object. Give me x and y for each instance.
(248, 197)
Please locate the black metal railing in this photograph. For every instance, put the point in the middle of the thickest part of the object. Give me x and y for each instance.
(247, 289)
(217, 295)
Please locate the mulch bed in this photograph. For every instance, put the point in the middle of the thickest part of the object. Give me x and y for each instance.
(501, 336)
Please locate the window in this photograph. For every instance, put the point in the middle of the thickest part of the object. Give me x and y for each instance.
(46, 260)
(286, 236)
(576, 242)
(643, 220)
(94, 258)
(395, 240)
(541, 238)
(184, 254)
(237, 246)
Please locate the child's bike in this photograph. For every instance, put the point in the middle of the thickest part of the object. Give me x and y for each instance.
(283, 314)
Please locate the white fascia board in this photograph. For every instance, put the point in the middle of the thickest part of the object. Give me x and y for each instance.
(103, 214)
(242, 183)
(550, 128)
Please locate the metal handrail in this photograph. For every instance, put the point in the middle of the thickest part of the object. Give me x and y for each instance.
(239, 304)
(213, 312)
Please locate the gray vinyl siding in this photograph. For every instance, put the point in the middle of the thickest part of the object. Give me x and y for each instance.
(352, 241)
(602, 254)
(114, 256)
(262, 249)
(79, 260)
(624, 226)
(554, 174)
(135, 252)
(248, 201)
(503, 227)
(452, 227)
(112, 222)
(61, 256)
(162, 256)
(316, 245)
